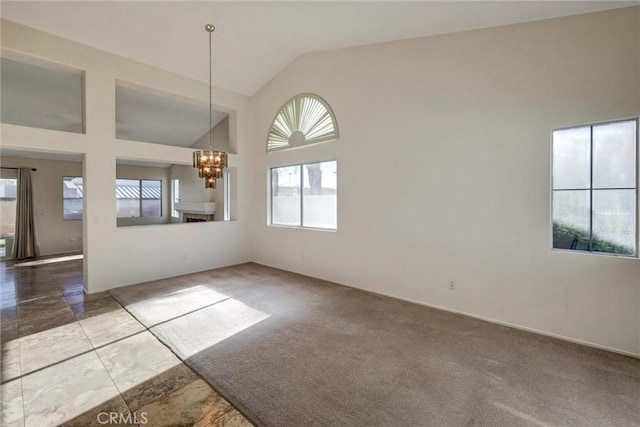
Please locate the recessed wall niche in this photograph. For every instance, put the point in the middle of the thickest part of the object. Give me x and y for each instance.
(149, 115)
(41, 96)
(152, 193)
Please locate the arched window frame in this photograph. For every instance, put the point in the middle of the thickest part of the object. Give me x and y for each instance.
(297, 143)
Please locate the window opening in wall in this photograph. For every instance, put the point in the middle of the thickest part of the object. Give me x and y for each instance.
(138, 198)
(41, 96)
(227, 195)
(72, 194)
(305, 195)
(8, 200)
(594, 188)
(303, 120)
(175, 188)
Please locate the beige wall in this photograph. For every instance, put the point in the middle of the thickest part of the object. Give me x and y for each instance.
(444, 171)
(53, 233)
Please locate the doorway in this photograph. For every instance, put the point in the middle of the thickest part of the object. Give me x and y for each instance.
(8, 202)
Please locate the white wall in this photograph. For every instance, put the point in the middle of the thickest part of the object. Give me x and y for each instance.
(54, 235)
(120, 256)
(221, 141)
(444, 171)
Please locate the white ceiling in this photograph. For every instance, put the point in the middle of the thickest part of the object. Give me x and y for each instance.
(254, 40)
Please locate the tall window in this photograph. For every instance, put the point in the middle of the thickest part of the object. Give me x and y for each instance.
(8, 199)
(175, 188)
(138, 198)
(595, 188)
(72, 191)
(305, 195)
(227, 196)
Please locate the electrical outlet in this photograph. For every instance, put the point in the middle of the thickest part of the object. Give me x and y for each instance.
(452, 285)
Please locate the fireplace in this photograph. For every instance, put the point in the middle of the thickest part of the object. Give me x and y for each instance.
(194, 217)
(196, 211)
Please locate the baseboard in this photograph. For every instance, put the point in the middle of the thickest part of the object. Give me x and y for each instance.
(96, 291)
(52, 254)
(464, 313)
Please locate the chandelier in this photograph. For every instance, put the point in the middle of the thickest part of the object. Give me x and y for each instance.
(210, 164)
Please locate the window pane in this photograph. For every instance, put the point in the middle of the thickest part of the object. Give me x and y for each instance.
(571, 158)
(151, 198)
(571, 220)
(72, 197)
(614, 155)
(176, 198)
(614, 221)
(8, 192)
(227, 196)
(285, 195)
(127, 198)
(319, 195)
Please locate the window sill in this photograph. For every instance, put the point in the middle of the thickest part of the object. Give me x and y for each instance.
(295, 227)
(603, 254)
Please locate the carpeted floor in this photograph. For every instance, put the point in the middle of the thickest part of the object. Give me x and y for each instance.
(290, 350)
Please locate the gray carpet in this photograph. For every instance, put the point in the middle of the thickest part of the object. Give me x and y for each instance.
(288, 350)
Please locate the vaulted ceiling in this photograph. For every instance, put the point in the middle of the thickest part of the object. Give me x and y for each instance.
(255, 40)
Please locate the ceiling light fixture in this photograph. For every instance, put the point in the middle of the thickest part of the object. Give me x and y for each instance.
(210, 164)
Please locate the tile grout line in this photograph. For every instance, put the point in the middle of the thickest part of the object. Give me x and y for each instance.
(76, 316)
(19, 338)
(114, 383)
(100, 358)
(24, 408)
(93, 349)
(180, 358)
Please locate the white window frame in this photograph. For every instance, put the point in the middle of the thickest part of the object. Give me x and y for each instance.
(175, 197)
(280, 127)
(67, 198)
(270, 198)
(226, 177)
(141, 199)
(591, 189)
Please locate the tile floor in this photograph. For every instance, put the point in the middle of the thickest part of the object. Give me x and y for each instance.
(74, 359)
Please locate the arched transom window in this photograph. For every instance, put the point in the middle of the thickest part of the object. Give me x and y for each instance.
(303, 120)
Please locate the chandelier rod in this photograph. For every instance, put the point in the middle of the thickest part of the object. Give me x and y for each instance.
(210, 28)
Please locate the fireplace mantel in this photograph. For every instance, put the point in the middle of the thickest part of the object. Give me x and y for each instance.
(204, 208)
